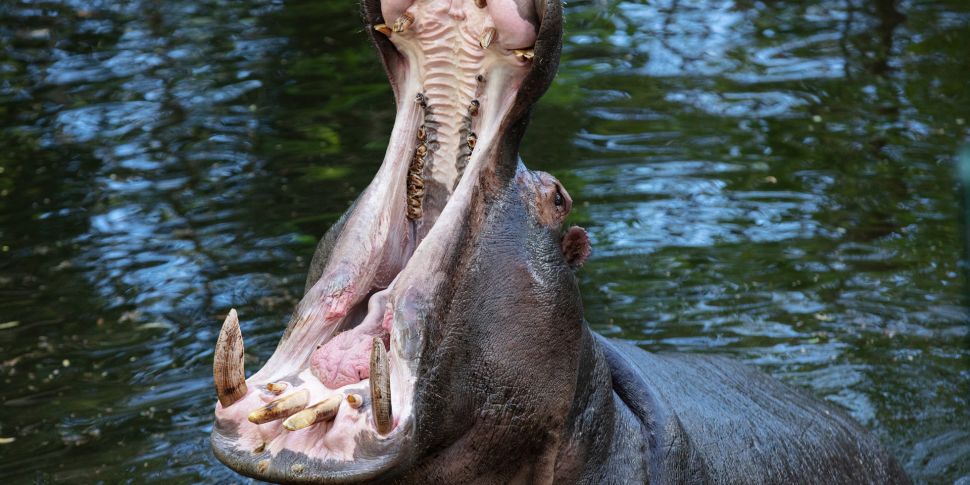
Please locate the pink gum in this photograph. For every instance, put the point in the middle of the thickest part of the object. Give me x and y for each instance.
(514, 32)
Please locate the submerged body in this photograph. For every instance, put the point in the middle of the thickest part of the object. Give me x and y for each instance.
(724, 422)
(441, 338)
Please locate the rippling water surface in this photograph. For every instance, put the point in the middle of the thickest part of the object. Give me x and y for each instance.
(773, 181)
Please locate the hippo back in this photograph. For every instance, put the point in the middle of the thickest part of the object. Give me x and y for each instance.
(707, 416)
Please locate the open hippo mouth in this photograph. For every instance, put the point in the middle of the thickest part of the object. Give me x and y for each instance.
(339, 399)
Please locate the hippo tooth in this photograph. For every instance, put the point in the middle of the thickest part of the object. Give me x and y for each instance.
(227, 362)
(276, 387)
(380, 386)
(485, 39)
(525, 54)
(403, 22)
(481, 3)
(384, 29)
(283, 407)
(355, 400)
(324, 410)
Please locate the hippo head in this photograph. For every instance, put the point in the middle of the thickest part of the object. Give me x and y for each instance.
(441, 318)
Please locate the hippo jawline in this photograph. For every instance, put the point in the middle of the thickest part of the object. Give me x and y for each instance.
(318, 410)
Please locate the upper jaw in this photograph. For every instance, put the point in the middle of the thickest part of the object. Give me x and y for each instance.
(382, 247)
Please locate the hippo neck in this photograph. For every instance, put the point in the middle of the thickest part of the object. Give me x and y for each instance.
(602, 431)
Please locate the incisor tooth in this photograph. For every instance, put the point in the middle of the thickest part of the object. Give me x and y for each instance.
(380, 386)
(355, 400)
(324, 410)
(227, 362)
(283, 407)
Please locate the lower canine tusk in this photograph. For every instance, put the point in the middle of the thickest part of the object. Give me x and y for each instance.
(380, 386)
(227, 362)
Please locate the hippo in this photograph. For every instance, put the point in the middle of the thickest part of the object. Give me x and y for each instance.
(441, 337)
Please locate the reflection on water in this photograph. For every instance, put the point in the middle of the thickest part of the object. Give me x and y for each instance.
(770, 181)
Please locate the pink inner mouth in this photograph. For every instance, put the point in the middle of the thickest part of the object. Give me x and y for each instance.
(345, 359)
(454, 89)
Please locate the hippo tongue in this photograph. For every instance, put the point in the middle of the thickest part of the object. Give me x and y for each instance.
(345, 359)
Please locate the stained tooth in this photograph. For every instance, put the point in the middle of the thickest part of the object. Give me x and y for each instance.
(486, 38)
(481, 3)
(403, 22)
(384, 29)
(380, 386)
(525, 54)
(283, 407)
(276, 387)
(324, 410)
(227, 363)
(355, 400)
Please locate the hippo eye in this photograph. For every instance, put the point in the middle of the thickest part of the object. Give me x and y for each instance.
(558, 200)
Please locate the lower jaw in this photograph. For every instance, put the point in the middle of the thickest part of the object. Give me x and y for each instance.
(255, 434)
(376, 459)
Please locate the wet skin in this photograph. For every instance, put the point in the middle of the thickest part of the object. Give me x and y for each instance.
(441, 338)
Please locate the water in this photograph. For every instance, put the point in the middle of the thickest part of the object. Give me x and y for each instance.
(774, 182)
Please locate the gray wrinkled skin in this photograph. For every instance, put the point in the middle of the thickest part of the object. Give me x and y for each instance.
(516, 388)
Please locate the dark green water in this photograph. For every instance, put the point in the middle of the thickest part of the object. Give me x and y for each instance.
(773, 181)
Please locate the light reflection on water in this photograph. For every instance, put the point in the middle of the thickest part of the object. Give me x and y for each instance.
(767, 181)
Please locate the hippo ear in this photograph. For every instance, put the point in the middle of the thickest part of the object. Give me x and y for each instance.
(576, 247)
